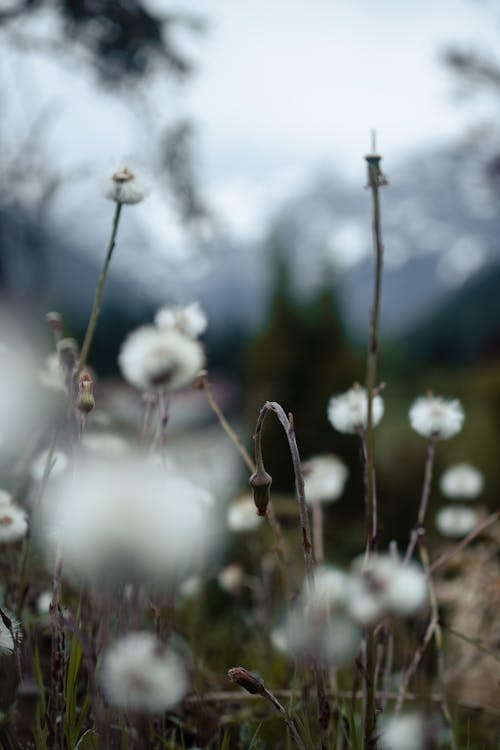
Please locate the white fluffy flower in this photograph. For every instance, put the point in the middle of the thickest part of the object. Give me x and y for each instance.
(403, 733)
(104, 444)
(437, 417)
(456, 520)
(330, 585)
(324, 478)
(52, 375)
(43, 602)
(58, 465)
(332, 640)
(382, 585)
(5, 498)
(139, 673)
(124, 186)
(231, 578)
(13, 524)
(189, 320)
(125, 521)
(151, 357)
(348, 412)
(242, 515)
(462, 481)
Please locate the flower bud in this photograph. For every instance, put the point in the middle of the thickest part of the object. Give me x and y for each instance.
(261, 482)
(249, 681)
(85, 401)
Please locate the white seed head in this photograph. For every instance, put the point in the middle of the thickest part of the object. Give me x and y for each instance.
(403, 733)
(437, 417)
(57, 466)
(324, 479)
(5, 498)
(231, 578)
(348, 412)
(13, 524)
(52, 375)
(242, 515)
(154, 358)
(104, 444)
(139, 673)
(125, 186)
(122, 521)
(189, 320)
(330, 585)
(332, 640)
(43, 602)
(455, 521)
(462, 481)
(381, 585)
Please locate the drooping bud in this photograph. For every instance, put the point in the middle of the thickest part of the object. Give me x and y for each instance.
(249, 681)
(260, 482)
(85, 401)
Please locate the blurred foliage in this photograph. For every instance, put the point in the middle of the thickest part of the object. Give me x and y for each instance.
(123, 38)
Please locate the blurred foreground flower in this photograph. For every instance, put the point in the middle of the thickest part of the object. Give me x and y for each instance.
(382, 586)
(403, 733)
(456, 521)
(348, 412)
(13, 524)
(123, 521)
(436, 417)
(324, 478)
(139, 673)
(152, 357)
(189, 320)
(462, 481)
(125, 186)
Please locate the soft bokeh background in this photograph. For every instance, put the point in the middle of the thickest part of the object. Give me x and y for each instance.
(251, 122)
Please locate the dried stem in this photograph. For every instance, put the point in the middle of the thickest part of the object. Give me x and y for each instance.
(288, 427)
(319, 547)
(98, 295)
(424, 500)
(376, 180)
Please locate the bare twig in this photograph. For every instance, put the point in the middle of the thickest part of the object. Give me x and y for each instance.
(424, 499)
(446, 556)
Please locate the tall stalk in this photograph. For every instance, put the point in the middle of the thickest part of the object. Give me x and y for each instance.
(100, 288)
(376, 180)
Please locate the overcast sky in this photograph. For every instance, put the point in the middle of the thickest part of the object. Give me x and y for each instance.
(282, 90)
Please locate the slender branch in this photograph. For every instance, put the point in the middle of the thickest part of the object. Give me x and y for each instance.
(319, 547)
(424, 500)
(477, 642)
(288, 427)
(446, 556)
(100, 288)
(376, 180)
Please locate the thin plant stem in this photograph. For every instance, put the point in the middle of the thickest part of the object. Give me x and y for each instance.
(319, 548)
(447, 556)
(376, 180)
(424, 500)
(288, 427)
(273, 521)
(100, 288)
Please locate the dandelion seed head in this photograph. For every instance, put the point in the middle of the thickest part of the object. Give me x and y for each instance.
(126, 186)
(104, 444)
(462, 481)
(456, 521)
(332, 640)
(348, 412)
(242, 515)
(324, 478)
(436, 417)
(122, 521)
(381, 585)
(152, 357)
(189, 320)
(13, 524)
(403, 733)
(5, 498)
(231, 578)
(139, 673)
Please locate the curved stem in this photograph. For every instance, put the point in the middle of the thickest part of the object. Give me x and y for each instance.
(424, 500)
(100, 288)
